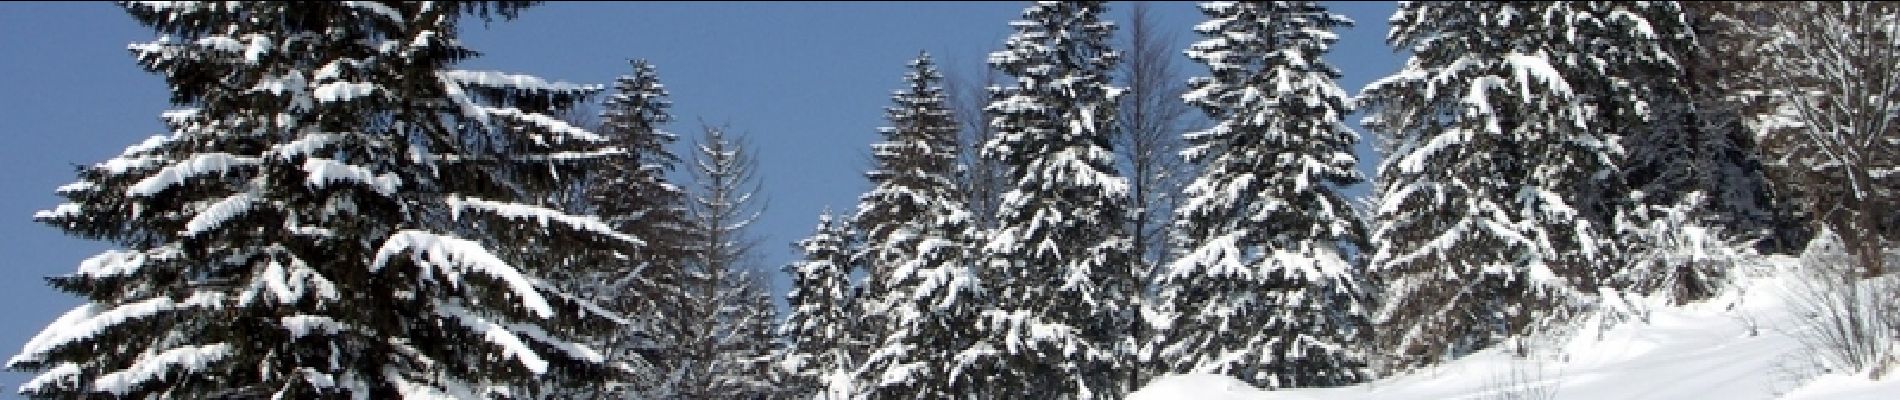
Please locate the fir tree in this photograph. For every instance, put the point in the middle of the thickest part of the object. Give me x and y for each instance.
(821, 320)
(1061, 258)
(336, 213)
(920, 287)
(1264, 290)
(1499, 182)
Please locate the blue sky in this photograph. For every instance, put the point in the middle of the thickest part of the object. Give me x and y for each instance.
(807, 82)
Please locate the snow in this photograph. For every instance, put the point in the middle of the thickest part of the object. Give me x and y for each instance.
(305, 325)
(452, 256)
(90, 320)
(511, 345)
(1199, 387)
(540, 215)
(60, 211)
(216, 214)
(112, 263)
(323, 172)
(512, 81)
(63, 375)
(197, 165)
(1730, 347)
(191, 358)
(343, 91)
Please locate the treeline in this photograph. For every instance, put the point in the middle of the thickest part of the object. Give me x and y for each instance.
(337, 212)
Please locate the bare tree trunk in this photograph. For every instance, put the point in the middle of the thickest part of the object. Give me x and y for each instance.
(981, 178)
(1152, 115)
(1149, 140)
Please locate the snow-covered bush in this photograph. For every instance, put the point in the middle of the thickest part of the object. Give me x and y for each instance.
(1847, 323)
(1676, 253)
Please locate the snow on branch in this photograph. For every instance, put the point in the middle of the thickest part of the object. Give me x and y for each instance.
(323, 171)
(192, 358)
(540, 215)
(554, 125)
(497, 334)
(499, 80)
(216, 214)
(91, 320)
(197, 165)
(65, 375)
(452, 257)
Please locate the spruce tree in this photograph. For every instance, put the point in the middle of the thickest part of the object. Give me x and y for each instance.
(821, 319)
(1495, 197)
(1264, 290)
(1060, 256)
(630, 192)
(337, 212)
(920, 287)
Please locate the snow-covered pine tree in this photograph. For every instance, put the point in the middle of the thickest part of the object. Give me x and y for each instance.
(1496, 193)
(1725, 77)
(334, 214)
(630, 192)
(1060, 257)
(1695, 176)
(746, 344)
(1698, 141)
(718, 307)
(919, 285)
(821, 322)
(1264, 290)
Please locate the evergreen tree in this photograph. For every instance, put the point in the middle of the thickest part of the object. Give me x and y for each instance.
(1499, 182)
(821, 318)
(630, 192)
(920, 287)
(336, 213)
(1060, 256)
(746, 345)
(1264, 290)
(1732, 120)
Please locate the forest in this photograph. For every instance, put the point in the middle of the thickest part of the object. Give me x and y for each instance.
(337, 209)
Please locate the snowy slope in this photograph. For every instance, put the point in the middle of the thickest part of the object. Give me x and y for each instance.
(1733, 347)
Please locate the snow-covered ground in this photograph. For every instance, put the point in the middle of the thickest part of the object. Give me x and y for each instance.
(1734, 347)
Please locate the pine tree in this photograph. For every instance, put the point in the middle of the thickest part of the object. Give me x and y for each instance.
(746, 345)
(920, 288)
(336, 213)
(821, 317)
(1499, 182)
(1060, 256)
(1698, 192)
(1264, 290)
(630, 192)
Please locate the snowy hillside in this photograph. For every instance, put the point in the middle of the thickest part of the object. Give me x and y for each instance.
(1738, 346)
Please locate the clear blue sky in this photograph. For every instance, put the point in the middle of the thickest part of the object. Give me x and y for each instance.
(806, 81)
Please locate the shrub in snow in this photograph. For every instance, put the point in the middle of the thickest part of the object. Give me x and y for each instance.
(1847, 323)
(1678, 252)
